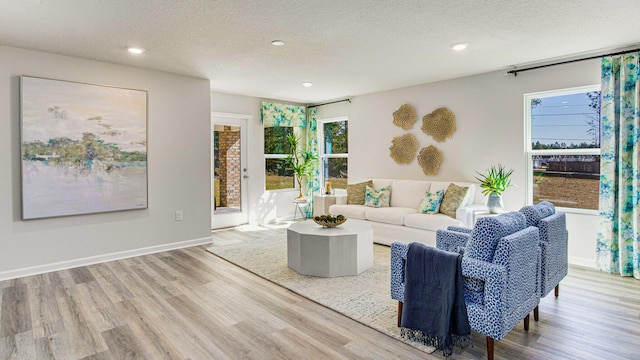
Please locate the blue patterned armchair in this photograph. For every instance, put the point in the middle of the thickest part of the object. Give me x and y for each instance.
(500, 266)
(553, 245)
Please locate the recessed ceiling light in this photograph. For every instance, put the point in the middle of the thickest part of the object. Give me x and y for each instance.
(307, 84)
(277, 43)
(459, 46)
(135, 50)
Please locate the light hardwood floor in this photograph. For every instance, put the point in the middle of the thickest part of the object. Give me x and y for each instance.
(189, 304)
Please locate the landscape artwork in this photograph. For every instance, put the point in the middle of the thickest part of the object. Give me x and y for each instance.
(83, 148)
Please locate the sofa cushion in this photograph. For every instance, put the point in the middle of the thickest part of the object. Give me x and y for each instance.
(489, 230)
(349, 211)
(389, 215)
(378, 183)
(430, 203)
(355, 192)
(377, 197)
(453, 199)
(469, 198)
(431, 222)
(408, 193)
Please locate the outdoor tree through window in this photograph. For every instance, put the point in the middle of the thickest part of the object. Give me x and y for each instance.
(334, 151)
(276, 149)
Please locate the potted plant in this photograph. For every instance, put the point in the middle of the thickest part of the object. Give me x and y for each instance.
(493, 183)
(301, 162)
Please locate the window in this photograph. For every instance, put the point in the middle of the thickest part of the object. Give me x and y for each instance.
(333, 146)
(563, 147)
(276, 149)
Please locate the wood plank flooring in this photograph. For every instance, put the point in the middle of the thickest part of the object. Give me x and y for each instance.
(189, 304)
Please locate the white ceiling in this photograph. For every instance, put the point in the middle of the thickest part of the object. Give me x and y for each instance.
(345, 47)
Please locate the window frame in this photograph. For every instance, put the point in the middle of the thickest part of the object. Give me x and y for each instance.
(530, 152)
(295, 132)
(322, 155)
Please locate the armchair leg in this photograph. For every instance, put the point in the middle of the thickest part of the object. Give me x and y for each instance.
(526, 323)
(489, 348)
(536, 315)
(399, 313)
(557, 290)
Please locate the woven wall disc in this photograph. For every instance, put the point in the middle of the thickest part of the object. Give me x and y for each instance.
(430, 159)
(403, 148)
(405, 117)
(441, 124)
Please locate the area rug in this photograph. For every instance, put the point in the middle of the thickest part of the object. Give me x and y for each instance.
(364, 298)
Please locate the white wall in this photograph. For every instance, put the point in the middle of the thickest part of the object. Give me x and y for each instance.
(178, 170)
(266, 206)
(490, 129)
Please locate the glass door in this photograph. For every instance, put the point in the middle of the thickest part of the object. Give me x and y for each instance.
(229, 170)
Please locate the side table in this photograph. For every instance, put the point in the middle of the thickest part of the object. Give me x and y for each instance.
(299, 205)
(321, 204)
(482, 213)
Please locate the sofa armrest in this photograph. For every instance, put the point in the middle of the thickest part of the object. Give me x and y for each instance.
(460, 229)
(398, 262)
(451, 240)
(341, 199)
(485, 271)
(465, 213)
(494, 279)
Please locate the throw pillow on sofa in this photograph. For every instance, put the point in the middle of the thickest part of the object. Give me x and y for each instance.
(377, 198)
(355, 192)
(452, 199)
(430, 203)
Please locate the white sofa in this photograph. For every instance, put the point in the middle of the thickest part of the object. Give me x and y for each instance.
(401, 221)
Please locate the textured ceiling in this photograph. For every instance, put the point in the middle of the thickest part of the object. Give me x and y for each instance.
(345, 47)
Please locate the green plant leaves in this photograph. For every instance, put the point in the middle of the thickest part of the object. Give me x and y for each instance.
(495, 181)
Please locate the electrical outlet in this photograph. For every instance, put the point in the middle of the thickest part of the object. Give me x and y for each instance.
(179, 215)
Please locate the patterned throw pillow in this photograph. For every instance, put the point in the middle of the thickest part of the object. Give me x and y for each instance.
(453, 199)
(355, 192)
(430, 203)
(377, 198)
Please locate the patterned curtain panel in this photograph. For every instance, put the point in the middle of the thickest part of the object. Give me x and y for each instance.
(274, 114)
(313, 183)
(618, 244)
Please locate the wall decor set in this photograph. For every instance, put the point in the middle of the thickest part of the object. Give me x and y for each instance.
(439, 124)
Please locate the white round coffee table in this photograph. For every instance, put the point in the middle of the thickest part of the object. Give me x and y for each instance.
(344, 250)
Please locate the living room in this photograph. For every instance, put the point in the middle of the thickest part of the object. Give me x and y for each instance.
(488, 106)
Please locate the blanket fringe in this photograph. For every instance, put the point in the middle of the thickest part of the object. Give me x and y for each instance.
(462, 341)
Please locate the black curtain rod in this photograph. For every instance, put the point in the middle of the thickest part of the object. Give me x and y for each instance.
(329, 103)
(515, 72)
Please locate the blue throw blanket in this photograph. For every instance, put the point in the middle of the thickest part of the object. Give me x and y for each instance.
(434, 311)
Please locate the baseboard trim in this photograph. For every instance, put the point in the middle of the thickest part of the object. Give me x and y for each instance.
(580, 261)
(41, 269)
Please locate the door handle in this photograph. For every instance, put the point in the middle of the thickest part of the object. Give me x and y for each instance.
(245, 176)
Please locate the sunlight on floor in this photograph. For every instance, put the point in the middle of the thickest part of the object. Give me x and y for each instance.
(283, 224)
(247, 228)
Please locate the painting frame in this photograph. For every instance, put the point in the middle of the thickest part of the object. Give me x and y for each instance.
(83, 148)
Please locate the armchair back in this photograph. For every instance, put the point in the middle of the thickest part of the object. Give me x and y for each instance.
(554, 239)
(489, 230)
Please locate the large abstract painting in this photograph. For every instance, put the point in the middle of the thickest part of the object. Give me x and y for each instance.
(83, 148)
